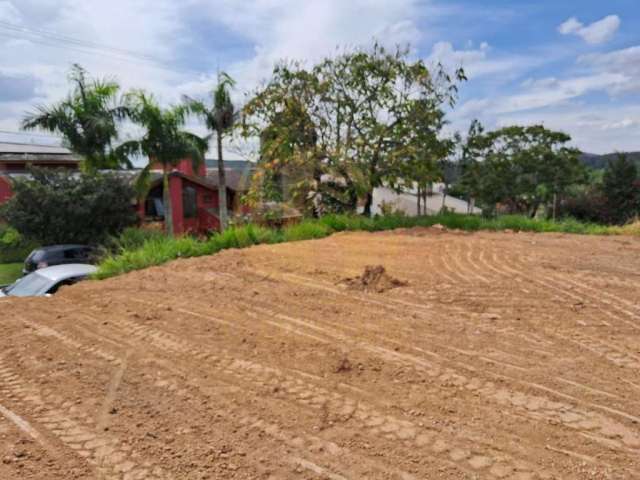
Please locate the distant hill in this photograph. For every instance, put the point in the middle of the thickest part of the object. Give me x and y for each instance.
(599, 162)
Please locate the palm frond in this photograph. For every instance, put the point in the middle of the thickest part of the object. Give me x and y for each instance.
(142, 184)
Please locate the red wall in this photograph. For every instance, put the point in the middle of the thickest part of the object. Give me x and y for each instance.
(184, 166)
(175, 190)
(5, 190)
(205, 199)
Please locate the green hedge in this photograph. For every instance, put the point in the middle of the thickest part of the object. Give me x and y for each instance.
(158, 249)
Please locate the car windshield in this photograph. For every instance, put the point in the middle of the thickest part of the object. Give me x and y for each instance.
(28, 286)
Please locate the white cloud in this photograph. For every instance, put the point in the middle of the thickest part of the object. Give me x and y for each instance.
(482, 61)
(541, 93)
(624, 62)
(549, 92)
(570, 26)
(267, 30)
(9, 13)
(596, 33)
(294, 30)
(594, 129)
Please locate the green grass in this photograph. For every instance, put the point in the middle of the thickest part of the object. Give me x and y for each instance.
(158, 249)
(10, 272)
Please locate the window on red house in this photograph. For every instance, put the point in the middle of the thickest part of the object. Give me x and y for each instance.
(189, 202)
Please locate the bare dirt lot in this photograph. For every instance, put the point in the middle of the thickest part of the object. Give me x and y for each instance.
(485, 355)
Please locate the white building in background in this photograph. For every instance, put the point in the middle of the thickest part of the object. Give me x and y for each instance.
(408, 202)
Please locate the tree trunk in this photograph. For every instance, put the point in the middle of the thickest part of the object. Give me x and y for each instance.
(367, 204)
(222, 187)
(534, 210)
(425, 194)
(166, 198)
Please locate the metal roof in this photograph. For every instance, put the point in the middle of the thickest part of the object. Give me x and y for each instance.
(30, 148)
(238, 165)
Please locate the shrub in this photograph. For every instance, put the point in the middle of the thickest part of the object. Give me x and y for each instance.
(14, 248)
(307, 230)
(55, 207)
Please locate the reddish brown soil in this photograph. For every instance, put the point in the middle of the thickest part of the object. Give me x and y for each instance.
(503, 356)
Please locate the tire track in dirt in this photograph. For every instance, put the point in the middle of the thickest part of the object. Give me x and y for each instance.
(537, 408)
(420, 309)
(104, 452)
(558, 286)
(369, 419)
(585, 341)
(299, 441)
(110, 458)
(589, 343)
(598, 427)
(582, 287)
(326, 452)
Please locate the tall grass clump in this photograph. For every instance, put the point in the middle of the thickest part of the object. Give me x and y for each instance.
(154, 251)
(306, 230)
(132, 238)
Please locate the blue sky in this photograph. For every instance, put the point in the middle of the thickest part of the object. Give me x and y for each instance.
(572, 65)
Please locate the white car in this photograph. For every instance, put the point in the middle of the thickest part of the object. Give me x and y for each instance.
(47, 281)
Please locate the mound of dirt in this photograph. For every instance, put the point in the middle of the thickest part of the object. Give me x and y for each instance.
(374, 279)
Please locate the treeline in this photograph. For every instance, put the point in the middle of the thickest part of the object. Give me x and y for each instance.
(331, 133)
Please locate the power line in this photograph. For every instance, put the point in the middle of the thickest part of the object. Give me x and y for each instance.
(88, 48)
(71, 40)
(88, 51)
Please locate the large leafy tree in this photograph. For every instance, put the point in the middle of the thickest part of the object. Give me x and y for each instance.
(164, 141)
(219, 116)
(425, 152)
(522, 168)
(359, 106)
(87, 119)
(53, 207)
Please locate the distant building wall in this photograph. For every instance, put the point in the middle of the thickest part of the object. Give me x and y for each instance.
(408, 202)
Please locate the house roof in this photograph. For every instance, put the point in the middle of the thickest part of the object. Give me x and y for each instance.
(238, 165)
(235, 180)
(28, 152)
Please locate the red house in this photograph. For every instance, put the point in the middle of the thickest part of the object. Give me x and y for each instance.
(194, 195)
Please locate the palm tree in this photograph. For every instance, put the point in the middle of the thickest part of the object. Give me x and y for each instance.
(164, 141)
(87, 120)
(220, 117)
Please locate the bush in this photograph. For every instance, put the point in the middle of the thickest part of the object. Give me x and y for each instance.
(14, 248)
(589, 206)
(621, 188)
(54, 207)
(307, 230)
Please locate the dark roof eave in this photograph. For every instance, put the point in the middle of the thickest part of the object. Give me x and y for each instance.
(193, 179)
